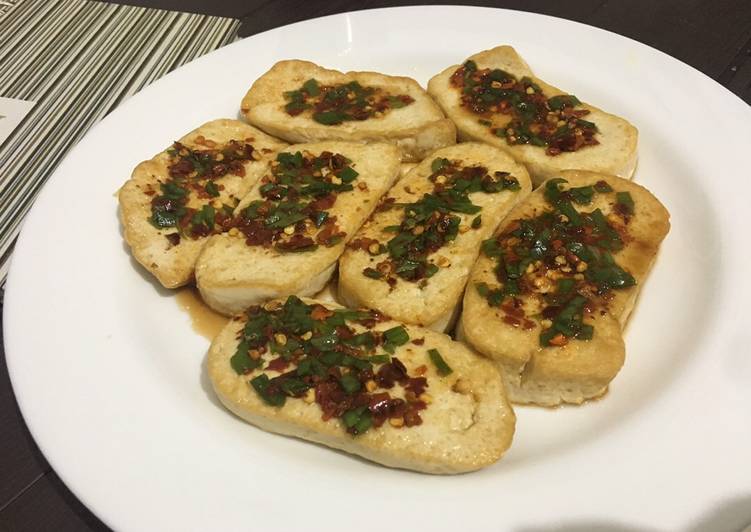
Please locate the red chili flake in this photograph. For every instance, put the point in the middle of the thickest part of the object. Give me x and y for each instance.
(417, 385)
(278, 364)
(362, 243)
(513, 309)
(385, 204)
(323, 203)
(558, 340)
(412, 418)
(174, 238)
(329, 232)
(320, 313)
(511, 320)
(418, 341)
(390, 373)
(382, 405)
(296, 242)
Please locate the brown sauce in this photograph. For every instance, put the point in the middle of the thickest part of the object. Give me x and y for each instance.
(205, 321)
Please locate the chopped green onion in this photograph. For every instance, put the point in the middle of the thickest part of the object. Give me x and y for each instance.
(491, 248)
(482, 289)
(354, 362)
(364, 423)
(310, 366)
(395, 337)
(261, 385)
(294, 387)
(348, 175)
(332, 358)
(320, 217)
(582, 195)
(330, 118)
(350, 383)
(552, 190)
(438, 164)
(366, 339)
(431, 270)
(556, 103)
(311, 87)
(241, 361)
(290, 160)
(565, 285)
(211, 189)
(351, 417)
(357, 420)
(372, 273)
(440, 364)
(626, 202)
(325, 342)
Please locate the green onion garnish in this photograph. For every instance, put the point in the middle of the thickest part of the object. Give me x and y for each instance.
(440, 364)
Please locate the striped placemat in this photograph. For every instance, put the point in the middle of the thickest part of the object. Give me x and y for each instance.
(77, 60)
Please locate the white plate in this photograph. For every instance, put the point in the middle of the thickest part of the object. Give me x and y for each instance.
(109, 374)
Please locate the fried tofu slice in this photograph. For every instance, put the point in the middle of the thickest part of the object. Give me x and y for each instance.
(494, 97)
(293, 226)
(175, 200)
(552, 291)
(412, 258)
(300, 101)
(402, 396)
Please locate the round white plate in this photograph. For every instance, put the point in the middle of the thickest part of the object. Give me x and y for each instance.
(110, 377)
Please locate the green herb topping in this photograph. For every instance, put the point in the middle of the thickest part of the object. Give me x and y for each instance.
(193, 173)
(294, 214)
(563, 259)
(334, 104)
(440, 364)
(519, 111)
(430, 223)
(330, 357)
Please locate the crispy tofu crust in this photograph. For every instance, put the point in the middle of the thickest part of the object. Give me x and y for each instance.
(435, 304)
(580, 370)
(173, 265)
(616, 154)
(467, 426)
(232, 275)
(417, 129)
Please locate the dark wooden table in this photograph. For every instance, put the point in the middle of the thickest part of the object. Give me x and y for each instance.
(714, 37)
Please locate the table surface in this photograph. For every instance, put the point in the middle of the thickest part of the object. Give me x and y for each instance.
(714, 37)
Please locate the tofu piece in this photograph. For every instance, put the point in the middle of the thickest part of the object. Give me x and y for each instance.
(411, 416)
(231, 274)
(172, 261)
(616, 149)
(431, 301)
(417, 127)
(512, 330)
